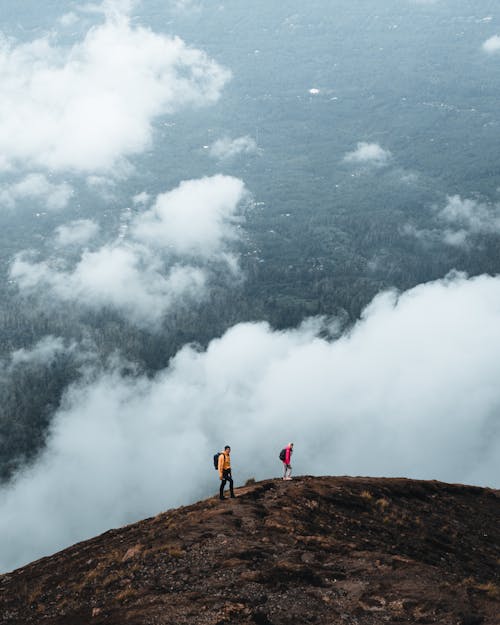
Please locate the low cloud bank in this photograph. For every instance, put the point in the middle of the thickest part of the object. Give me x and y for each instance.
(44, 352)
(186, 6)
(492, 45)
(163, 257)
(459, 221)
(77, 232)
(411, 390)
(466, 217)
(87, 107)
(227, 148)
(368, 154)
(36, 188)
(197, 218)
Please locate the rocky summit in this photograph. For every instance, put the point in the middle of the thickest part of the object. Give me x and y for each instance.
(353, 551)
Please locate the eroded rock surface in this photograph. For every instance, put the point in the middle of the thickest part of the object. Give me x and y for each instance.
(353, 551)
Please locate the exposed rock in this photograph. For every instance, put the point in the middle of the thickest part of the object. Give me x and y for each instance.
(351, 551)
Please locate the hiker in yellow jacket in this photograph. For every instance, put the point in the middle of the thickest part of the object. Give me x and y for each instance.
(225, 471)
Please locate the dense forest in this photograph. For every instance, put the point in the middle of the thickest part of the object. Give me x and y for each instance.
(320, 234)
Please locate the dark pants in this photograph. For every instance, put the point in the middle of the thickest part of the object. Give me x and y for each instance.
(226, 477)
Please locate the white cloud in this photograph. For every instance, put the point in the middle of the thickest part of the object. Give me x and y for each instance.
(103, 186)
(411, 230)
(112, 9)
(77, 232)
(36, 187)
(368, 154)
(186, 6)
(161, 263)
(141, 199)
(227, 148)
(492, 45)
(475, 216)
(42, 353)
(197, 218)
(126, 278)
(88, 107)
(408, 177)
(466, 217)
(460, 220)
(411, 390)
(68, 19)
(455, 238)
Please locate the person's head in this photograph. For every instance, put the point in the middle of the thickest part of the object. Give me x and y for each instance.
(227, 449)
(290, 445)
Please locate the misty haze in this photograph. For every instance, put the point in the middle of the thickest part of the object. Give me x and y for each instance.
(245, 225)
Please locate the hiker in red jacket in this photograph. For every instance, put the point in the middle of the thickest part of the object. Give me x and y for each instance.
(287, 467)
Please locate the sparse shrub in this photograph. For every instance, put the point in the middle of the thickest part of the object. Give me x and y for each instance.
(111, 579)
(382, 503)
(93, 575)
(175, 552)
(491, 589)
(366, 495)
(34, 595)
(125, 594)
(132, 552)
(250, 481)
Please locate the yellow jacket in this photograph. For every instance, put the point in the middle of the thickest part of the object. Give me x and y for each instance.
(224, 462)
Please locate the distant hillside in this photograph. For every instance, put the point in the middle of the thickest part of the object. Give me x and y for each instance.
(353, 551)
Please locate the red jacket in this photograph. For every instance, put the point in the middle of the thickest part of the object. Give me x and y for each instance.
(288, 454)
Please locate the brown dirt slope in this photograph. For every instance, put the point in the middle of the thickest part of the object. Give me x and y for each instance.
(352, 551)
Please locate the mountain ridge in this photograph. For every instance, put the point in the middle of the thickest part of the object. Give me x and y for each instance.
(352, 550)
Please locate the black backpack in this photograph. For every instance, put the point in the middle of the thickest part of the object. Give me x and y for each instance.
(216, 460)
(283, 455)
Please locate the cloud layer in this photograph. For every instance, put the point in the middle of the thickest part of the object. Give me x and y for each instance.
(197, 218)
(368, 154)
(163, 260)
(411, 390)
(467, 217)
(42, 353)
(77, 232)
(492, 45)
(37, 188)
(86, 107)
(459, 221)
(227, 148)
